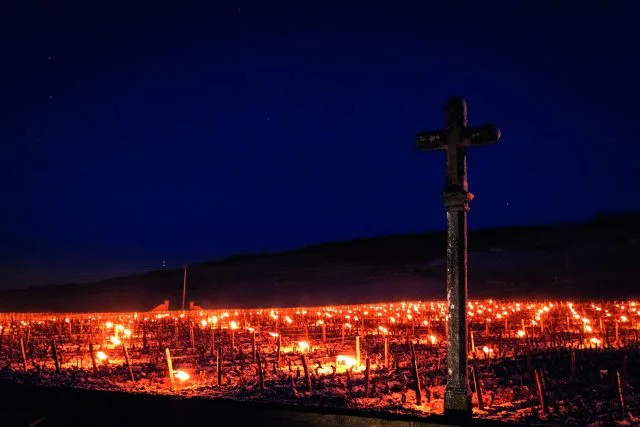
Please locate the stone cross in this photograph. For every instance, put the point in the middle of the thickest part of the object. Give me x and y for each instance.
(454, 139)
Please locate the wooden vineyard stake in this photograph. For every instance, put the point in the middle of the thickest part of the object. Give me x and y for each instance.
(93, 358)
(601, 328)
(10, 354)
(24, 355)
(170, 366)
(233, 341)
(541, 391)
(126, 360)
(212, 340)
(278, 350)
(54, 355)
(357, 350)
(367, 377)
(253, 347)
(476, 382)
(307, 378)
(386, 352)
(144, 335)
(192, 336)
(158, 330)
(219, 366)
(414, 367)
(324, 333)
(620, 395)
(573, 365)
(625, 371)
(260, 373)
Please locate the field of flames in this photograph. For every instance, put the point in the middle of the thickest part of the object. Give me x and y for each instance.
(573, 363)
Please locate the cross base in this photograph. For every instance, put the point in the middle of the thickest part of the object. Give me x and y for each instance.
(457, 403)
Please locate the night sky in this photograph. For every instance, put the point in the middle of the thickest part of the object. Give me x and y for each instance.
(132, 135)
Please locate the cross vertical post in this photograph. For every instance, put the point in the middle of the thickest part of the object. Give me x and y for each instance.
(454, 139)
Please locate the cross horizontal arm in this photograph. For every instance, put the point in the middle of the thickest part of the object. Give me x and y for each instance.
(430, 141)
(441, 139)
(480, 135)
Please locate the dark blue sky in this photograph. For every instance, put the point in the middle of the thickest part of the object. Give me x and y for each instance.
(140, 134)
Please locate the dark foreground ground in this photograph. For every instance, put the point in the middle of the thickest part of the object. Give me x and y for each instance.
(23, 405)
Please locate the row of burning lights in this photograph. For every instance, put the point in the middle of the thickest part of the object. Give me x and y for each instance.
(476, 311)
(404, 313)
(351, 363)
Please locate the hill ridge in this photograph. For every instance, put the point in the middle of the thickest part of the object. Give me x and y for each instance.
(596, 257)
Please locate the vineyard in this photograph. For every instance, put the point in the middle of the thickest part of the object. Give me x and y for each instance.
(553, 362)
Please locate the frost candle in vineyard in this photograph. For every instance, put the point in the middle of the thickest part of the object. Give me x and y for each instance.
(102, 356)
(181, 376)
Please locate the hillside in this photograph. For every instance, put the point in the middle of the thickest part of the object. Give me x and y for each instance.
(599, 258)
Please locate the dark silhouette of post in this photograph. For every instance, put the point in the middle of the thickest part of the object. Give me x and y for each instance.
(184, 286)
(454, 139)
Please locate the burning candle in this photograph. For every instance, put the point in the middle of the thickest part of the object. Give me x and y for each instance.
(181, 375)
(303, 346)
